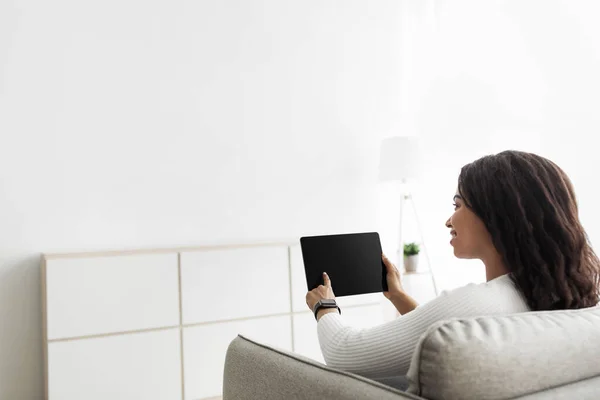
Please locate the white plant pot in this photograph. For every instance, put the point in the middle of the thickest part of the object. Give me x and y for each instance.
(411, 263)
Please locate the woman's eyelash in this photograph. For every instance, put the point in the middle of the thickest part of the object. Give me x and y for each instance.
(455, 205)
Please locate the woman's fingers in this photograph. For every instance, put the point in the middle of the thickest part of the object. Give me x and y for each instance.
(388, 264)
(326, 279)
(320, 292)
(393, 277)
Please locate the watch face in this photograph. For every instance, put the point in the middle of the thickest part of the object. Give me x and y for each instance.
(328, 302)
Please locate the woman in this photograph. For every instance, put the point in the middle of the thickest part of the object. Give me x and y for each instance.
(517, 213)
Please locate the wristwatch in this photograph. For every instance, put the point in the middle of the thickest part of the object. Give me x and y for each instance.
(325, 303)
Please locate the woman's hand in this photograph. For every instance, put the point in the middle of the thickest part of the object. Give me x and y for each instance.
(393, 279)
(396, 294)
(319, 293)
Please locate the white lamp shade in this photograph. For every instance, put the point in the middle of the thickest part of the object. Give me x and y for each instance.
(399, 158)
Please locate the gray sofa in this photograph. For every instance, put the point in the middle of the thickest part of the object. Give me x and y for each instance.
(533, 356)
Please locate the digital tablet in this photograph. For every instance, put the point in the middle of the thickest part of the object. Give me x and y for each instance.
(352, 261)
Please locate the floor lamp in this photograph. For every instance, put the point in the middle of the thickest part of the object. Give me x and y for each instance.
(399, 161)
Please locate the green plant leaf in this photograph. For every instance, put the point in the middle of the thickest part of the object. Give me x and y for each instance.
(411, 249)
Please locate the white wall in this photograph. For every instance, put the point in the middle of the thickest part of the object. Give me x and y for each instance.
(137, 124)
(485, 76)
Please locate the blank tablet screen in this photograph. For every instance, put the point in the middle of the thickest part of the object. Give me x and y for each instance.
(352, 261)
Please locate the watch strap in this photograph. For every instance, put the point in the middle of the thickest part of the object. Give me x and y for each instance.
(321, 305)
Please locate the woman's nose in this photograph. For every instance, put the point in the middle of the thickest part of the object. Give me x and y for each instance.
(448, 223)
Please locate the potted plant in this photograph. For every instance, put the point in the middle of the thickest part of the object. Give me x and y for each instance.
(411, 257)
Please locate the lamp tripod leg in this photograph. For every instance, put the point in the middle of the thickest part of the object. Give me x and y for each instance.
(414, 207)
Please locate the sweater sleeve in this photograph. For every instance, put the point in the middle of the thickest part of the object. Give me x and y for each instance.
(386, 350)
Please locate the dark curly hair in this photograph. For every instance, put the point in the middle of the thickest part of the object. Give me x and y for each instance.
(528, 205)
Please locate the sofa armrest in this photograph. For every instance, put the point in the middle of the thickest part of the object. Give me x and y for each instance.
(256, 371)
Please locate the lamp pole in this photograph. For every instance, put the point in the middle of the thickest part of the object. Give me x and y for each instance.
(400, 252)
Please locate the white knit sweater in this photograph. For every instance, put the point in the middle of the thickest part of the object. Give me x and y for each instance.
(386, 350)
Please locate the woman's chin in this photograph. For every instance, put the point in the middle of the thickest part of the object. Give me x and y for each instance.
(462, 254)
(457, 252)
(453, 244)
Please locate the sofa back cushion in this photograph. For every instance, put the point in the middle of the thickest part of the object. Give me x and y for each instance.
(509, 356)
